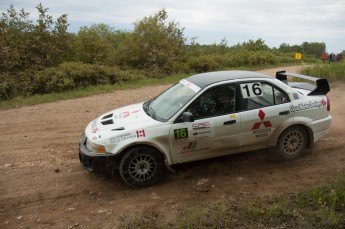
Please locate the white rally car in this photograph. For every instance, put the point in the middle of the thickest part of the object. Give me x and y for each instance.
(207, 115)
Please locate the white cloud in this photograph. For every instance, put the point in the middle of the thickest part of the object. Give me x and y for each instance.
(275, 21)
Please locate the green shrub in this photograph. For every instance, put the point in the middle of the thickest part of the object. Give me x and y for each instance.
(203, 64)
(12, 85)
(232, 59)
(71, 75)
(6, 87)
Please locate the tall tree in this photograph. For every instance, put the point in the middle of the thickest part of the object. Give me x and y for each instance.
(314, 48)
(155, 44)
(258, 45)
(14, 29)
(26, 47)
(97, 43)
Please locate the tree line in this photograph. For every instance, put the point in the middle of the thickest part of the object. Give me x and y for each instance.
(41, 56)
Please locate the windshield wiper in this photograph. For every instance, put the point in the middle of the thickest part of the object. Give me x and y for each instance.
(153, 113)
(149, 110)
(146, 107)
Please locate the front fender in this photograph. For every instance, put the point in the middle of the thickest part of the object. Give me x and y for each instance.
(162, 147)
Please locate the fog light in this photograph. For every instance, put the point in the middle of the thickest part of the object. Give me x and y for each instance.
(100, 149)
(94, 147)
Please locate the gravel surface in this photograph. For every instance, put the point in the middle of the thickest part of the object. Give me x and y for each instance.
(44, 186)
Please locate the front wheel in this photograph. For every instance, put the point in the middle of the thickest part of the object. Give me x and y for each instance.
(141, 166)
(292, 142)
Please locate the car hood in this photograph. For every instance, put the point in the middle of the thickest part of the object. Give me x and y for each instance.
(125, 118)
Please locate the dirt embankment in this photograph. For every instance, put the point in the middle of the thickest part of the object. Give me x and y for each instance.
(42, 184)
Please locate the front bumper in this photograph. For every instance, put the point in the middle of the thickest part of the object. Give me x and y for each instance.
(96, 162)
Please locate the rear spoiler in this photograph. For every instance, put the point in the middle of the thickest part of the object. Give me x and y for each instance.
(322, 86)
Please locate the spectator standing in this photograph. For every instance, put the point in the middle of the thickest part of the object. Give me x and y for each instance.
(324, 57)
(339, 57)
(331, 57)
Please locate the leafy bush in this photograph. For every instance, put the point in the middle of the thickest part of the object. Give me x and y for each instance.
(202, 64)
(71, 75)
(232, 59)
(20, 83)
(7, 89)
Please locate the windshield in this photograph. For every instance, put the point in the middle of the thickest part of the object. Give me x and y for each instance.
(172, 100)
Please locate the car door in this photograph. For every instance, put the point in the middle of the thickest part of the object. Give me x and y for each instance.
(215, 130)
(265, 107)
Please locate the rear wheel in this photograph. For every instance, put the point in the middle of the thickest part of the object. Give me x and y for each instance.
(292, 142)
(141, 166)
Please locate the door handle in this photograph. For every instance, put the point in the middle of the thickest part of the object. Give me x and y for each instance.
(284, 112)
(230, 122)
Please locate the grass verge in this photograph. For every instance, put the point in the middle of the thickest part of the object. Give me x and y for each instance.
(333, 72)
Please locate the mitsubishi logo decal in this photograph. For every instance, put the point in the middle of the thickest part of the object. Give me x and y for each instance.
(257, 125)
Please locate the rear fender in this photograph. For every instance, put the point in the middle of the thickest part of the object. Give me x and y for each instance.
(301, 122)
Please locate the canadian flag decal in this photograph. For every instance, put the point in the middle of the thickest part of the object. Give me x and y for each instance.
(140, 133)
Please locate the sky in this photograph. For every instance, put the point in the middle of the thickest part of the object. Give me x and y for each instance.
(237, 21)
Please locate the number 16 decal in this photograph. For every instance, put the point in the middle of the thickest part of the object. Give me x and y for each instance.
(181, 133)
(251, 90)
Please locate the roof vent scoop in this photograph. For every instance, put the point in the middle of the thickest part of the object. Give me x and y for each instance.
(107, 122)
(107, 116)
(107, 119)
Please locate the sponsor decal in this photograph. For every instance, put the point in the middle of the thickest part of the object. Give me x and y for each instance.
(202, 130)
(191, 147)
(94, 127)
(125, 114)
(259, 133)
(181, 133)
(201, 125)
(122, 137)
(307, 106)
(202, 134)
(323, 102)
(140, 133)
(261, 115)
(190, 85)
(232, 116)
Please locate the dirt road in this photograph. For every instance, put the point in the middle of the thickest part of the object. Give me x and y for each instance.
(42, 184)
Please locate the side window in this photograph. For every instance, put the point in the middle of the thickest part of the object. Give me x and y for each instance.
(280, 97)
(260, 94)
(218, 100)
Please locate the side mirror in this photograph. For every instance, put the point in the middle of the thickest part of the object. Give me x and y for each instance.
(187, 117)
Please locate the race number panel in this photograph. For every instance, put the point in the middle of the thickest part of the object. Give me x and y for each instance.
(250, 90)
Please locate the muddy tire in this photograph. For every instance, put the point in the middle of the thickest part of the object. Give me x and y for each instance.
(292, 142)
(141, 166)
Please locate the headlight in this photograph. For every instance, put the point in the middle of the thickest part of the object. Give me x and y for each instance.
(94, 147)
